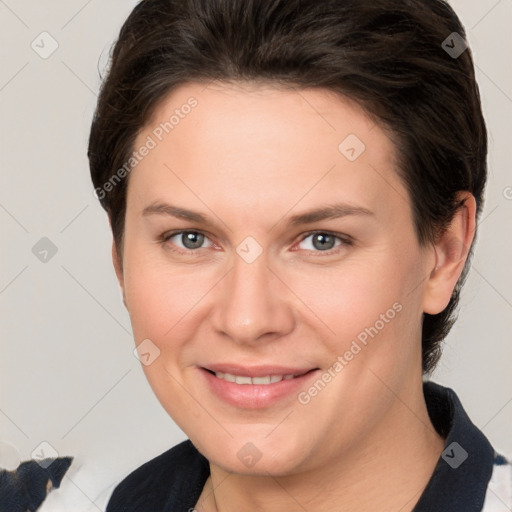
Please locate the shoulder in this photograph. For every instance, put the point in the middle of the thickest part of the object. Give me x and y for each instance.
(161, 482)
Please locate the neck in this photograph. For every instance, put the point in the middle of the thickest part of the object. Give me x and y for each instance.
(391, 468)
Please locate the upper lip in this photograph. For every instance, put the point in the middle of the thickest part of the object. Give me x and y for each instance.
(257, 371)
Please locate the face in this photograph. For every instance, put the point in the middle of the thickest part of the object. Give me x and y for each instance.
(250, 285)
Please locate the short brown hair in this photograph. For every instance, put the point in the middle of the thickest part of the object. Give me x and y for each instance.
(390, 56)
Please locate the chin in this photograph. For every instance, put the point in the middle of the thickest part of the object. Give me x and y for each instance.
(255, 455)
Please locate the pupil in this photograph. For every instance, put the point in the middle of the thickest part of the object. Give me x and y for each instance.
(324, 239)
(188, 240)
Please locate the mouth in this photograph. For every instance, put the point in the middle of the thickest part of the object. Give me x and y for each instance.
(263, 380)
(264, 390)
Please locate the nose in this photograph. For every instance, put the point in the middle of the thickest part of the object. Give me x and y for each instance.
(253, 303)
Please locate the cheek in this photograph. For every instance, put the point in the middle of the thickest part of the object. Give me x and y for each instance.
(167, 305)
(368, 312)
(161, 303)
(351, 296)
(159, 299)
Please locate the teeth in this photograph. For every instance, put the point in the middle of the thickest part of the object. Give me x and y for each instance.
(240, 379)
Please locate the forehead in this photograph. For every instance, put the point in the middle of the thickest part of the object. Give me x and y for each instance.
(270, 146)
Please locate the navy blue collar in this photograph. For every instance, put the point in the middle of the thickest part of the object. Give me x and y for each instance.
(460, 479)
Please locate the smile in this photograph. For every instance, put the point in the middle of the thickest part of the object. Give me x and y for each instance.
(242, 379)
(257, 391)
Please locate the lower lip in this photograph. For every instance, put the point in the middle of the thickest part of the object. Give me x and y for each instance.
(255, 396)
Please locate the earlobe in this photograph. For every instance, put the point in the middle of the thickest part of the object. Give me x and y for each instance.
(451, 251)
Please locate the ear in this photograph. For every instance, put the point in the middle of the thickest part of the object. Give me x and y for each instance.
(118, 267)
(451, 252)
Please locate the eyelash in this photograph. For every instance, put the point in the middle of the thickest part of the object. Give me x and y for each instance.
(346, 241)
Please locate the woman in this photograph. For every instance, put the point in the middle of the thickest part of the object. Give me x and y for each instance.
(293, 189)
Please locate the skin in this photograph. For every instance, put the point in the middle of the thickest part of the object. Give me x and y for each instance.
(249, 157)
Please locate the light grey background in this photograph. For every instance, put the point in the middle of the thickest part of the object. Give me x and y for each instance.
(68, 374)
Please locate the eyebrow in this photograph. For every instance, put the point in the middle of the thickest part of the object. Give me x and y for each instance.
(333, 211)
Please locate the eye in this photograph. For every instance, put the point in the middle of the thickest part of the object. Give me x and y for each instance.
(190, 240)
(324, 241)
